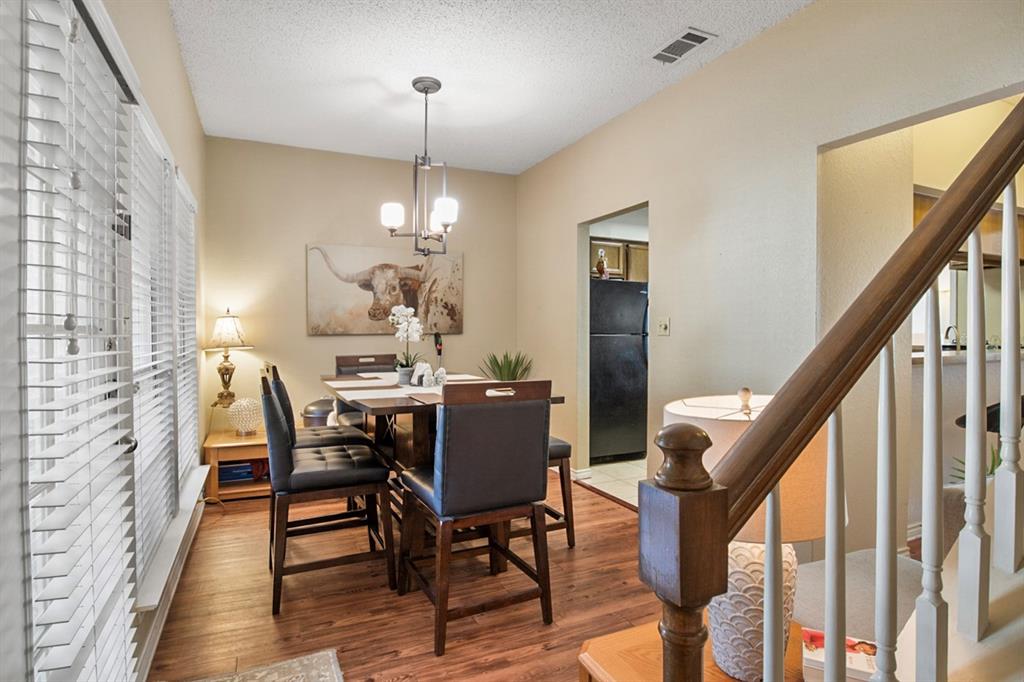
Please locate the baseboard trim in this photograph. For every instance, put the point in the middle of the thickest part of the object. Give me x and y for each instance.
(580, 474)
(607, 495)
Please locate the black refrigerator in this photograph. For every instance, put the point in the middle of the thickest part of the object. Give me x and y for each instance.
(618, 370)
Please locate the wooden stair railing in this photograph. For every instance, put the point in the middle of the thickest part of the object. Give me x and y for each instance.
(687, 518)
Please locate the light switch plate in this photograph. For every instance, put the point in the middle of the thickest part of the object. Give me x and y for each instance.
(664, 326)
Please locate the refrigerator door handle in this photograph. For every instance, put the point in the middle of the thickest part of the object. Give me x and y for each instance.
(646, 334)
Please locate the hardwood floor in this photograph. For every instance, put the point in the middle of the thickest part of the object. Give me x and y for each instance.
(220, 619)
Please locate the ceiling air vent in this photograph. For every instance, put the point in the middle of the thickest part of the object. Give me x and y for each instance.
(694, 37)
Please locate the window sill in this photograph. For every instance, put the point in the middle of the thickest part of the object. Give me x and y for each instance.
(170, 555)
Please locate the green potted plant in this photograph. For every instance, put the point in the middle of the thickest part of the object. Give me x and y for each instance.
(507, 367)
(408, 329)
(958, 473)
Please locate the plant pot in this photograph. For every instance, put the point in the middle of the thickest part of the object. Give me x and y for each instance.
(404, 375)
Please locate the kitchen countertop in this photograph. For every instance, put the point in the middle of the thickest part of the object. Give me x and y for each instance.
(954, 357)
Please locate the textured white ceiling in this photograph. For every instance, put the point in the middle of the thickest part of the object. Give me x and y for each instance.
(521, 78)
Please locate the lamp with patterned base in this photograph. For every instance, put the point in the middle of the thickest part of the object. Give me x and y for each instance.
(736, 618)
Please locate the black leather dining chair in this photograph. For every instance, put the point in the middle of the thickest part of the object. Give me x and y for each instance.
(313, 436)
(323, 473)
(490, 467)
(560, 456)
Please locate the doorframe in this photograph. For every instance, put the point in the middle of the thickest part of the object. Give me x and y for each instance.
(581, 456)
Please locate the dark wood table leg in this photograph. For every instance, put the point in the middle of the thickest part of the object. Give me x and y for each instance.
(381, 432)
(421, 446)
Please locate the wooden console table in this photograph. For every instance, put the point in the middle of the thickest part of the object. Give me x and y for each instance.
(635, 654)
(225, 446)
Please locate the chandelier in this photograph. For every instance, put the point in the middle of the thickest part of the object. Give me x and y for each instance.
(428, 225)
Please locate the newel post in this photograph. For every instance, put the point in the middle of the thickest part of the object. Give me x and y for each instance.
(684, 541)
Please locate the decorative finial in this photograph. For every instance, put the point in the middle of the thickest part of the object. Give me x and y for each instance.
(745, 395)
(683, 446)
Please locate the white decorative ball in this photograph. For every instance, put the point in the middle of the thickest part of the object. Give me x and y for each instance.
(244, 416)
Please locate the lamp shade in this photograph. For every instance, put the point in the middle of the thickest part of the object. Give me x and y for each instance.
(434, 226)
(447, 210)
(802, 492)
(228, 333)
(392, 215)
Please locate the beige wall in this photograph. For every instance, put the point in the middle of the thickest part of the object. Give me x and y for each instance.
(943, 146)
(266, 202)
(146, 29)
(865, 211)
(727, 160)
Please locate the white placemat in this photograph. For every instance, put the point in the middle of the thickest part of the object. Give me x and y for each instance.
(355, 383)
(387, 376)
(397, 392)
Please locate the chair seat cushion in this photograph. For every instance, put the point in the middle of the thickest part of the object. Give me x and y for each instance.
(354, 419)
(421, 481)
(327, 436)
(331, 467)
(558, 448)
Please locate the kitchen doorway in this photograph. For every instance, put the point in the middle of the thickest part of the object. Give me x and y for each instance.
(617, 349)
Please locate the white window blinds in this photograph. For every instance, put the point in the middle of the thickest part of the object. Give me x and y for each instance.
(187, 346)
(108, 341)
(76, 346)
(153, 352)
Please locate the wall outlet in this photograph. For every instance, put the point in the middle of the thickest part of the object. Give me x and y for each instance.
(664, 326)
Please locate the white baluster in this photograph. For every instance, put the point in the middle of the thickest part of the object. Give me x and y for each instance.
(1009, 485)
(835, 554)
(932, 610)
(885, 522)
(975, 544)
(774, 634)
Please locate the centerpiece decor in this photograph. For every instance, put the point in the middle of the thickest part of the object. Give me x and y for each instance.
(507, 367)
(408, 329)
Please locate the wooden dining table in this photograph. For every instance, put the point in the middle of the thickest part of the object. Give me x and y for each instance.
(403, 420)
(383, 401)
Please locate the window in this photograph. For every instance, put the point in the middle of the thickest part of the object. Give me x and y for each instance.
(153, 352)
(108, 345)
(187, 346)
(76, 348)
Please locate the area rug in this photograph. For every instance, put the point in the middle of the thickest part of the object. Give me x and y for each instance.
(319, 667)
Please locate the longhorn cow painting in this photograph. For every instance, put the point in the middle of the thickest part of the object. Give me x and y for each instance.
(351, 289)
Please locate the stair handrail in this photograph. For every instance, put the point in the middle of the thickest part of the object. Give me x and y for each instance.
(761, 456)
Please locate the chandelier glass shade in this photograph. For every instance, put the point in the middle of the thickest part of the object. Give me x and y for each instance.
(429, 225)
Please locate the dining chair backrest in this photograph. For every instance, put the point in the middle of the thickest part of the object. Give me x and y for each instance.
(355, 364)
(492, 446)
(281, 393)
(279, 439)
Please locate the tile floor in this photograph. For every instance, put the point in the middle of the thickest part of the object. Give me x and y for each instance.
(618, 478)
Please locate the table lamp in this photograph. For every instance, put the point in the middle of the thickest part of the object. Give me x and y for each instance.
(227, 335)
(736, 618)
